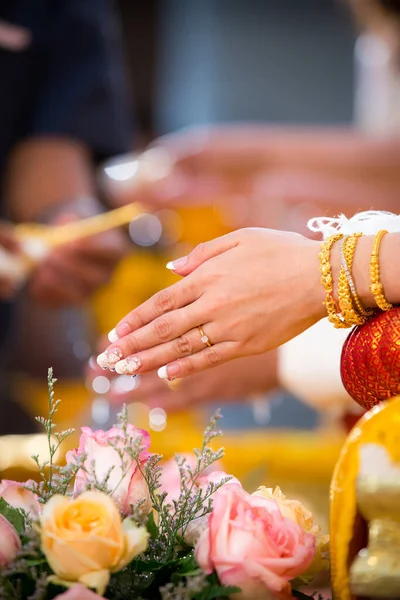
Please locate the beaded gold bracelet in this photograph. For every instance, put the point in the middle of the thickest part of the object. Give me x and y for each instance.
(347, 264)
(327, 281)
(376, 286)
(350, 306)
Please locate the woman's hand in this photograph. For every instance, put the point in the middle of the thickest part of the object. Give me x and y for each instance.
(250, 291)
(72, 273)
(210, 164)
(231, 382)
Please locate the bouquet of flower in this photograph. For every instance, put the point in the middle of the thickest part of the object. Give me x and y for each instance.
(116, 522)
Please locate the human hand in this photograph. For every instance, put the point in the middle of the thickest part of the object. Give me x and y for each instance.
(8, 281)
(250, 290)
(72, 273)
(260, 175)
(233, 381)
(197, 165)
(13, 37)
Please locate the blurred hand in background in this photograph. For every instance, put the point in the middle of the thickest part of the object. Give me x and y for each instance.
(69, 275)
(232, 382)
(265, 176)
(50, 180)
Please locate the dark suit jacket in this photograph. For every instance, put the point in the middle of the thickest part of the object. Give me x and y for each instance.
(69, 81)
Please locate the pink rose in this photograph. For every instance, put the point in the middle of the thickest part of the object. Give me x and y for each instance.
(15, 494)
(78, 592)
(170, 480)
(171, 483)
(125, 488)
(197, 526)
(252, 546)
(9, 542)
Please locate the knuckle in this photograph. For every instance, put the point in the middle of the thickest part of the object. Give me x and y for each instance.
(213, 356)
(164, 301)
(135, 320)
(162, 328)
(183, 345)
(188, 367)
(200, 250)
(131, 345)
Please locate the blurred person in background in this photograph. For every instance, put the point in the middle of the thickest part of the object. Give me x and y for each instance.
(63, 108)
(282, 176)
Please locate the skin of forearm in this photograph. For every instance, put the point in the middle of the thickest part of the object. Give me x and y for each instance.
(339, 151)
(336, 196)
(43, 173)
(288, 200)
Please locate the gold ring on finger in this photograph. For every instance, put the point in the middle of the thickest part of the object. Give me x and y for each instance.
(204, 338)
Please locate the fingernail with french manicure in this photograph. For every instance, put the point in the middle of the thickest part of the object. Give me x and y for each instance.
(128, 365)
(162, 372)
(168, 372)
(123, 329)
(113, 336)
(109, 358)
(173, 265)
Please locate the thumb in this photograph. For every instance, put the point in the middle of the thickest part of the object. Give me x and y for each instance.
(202, 253)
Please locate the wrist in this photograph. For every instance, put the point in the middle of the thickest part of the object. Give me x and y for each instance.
(313, 289)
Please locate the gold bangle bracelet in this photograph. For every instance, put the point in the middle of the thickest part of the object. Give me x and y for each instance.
(347, 263)
(348, 307)
(376, 286)
(327, 281)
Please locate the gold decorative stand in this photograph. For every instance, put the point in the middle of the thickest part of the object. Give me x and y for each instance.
(365, 508)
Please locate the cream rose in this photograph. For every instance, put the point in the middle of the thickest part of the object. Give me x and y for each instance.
(298, 513)
(84, 540)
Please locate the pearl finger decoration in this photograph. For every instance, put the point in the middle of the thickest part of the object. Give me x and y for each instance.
(109, 358)
(128, 365)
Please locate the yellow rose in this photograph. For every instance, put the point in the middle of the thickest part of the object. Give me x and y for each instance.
(297, 512)
(84, 540)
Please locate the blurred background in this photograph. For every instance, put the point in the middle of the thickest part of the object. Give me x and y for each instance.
(85, 90)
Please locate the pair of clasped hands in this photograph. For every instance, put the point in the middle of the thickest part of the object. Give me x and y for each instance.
(244, 294)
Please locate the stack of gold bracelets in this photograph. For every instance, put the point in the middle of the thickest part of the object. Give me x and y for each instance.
(348, 311)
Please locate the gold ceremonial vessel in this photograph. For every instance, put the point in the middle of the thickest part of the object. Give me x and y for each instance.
(365, 508)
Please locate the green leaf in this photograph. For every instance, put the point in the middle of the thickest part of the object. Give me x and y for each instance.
(301, 595)
(146, 566)
(35, 562)
(217, 591)
(7, 590)
(152, 527)
(13, 515)
(187, 563)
